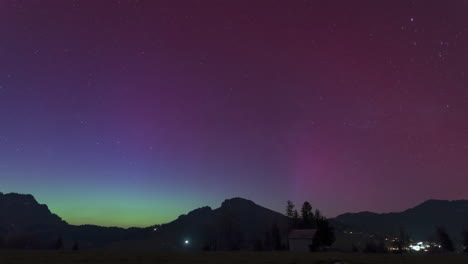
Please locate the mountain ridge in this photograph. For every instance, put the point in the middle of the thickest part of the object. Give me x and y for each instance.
(245, 218)
(248, 223)
(419, 221)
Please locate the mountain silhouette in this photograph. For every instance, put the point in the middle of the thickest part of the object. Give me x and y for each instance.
(419, 222)
(22, 213)
(237, 224)
(23, 219)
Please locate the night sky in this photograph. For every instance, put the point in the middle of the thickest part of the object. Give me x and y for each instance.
(130, 112)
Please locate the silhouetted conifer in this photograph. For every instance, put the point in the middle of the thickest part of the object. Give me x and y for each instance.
(231, 233)
(268, 241)
(276, 237)
(325, 235)
(317, 214)
(375, 247)
(465, 241)
(306, 215)
(206, 247)
(295, 219)
(59, 244)
(258, 246)
(370, 247)
(401, 243)
(444, 239)
(76, 247)
(291, 213)
(290, 209)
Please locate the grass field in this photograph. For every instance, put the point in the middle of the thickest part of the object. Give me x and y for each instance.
(69, 257)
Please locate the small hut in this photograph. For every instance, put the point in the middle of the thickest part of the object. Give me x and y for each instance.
(301, 239)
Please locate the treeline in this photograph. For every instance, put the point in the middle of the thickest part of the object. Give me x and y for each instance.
(311, 219)
(229, 233)
(440, 242)
(446, 242)
(33, 242)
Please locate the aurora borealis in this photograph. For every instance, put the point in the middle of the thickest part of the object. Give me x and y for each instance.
(132, 112)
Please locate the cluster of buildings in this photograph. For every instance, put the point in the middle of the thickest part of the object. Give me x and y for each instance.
(422, 246)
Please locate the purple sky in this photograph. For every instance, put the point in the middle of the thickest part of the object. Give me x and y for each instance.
(144, 110)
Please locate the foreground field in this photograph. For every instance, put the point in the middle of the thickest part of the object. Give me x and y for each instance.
(90, 257)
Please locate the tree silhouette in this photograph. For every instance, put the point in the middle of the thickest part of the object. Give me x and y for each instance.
(444, 239)
(276, 237)
(317, 214)
(354, 248)
(291, 213)
(465, 240)
(325, 235)
(258, 246)
(373, 246)
(231, 233)
(268, 240)
(370, 247)
(59, 244)
(306, 215)
(295, 218)
(76, 247)
(290, 209)
(402, 242)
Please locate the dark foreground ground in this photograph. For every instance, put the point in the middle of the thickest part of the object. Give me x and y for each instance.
(89, 257)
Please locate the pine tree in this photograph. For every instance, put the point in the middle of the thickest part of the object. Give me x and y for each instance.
(306, 214)
(317, 215)
(290, 213)
(76, 246)
(325, 235)
(295, 219)
(59, 244)
(290, 209)
(465, 240)
(276, 237)
(445, 240)
(403, 240)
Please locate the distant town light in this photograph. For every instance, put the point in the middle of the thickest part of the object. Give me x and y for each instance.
(420, 246)
(416, 248)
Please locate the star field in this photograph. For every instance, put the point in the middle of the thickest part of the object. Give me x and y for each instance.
(144, 109)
